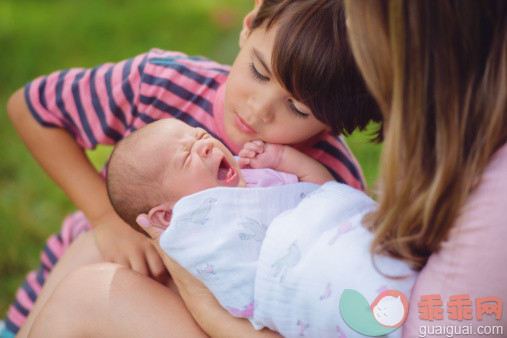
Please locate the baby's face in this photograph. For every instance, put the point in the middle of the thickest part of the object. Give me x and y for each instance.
(194, 160)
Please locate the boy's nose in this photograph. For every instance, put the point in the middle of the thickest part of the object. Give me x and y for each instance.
(262, 108)
(205, 148)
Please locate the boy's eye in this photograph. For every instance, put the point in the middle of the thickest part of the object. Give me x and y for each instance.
(256, 73)
(296, 111)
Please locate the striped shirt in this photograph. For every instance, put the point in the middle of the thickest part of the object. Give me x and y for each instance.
(104, 104)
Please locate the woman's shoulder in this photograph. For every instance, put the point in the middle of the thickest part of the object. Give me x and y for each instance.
(487, 199)
(482, 221)
(470, 260)
(483, 216)
(497, 166)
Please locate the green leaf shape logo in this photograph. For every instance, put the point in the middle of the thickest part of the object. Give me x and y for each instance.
(359, 315)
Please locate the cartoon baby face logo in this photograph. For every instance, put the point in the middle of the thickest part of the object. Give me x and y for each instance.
(386, 313)
(390, 308)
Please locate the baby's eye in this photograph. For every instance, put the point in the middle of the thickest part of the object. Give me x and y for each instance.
(186, 155)
(202, 134)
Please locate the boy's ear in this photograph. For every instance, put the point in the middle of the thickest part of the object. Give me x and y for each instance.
(247, 23)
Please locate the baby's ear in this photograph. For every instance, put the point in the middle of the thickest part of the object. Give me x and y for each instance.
(160, 216)
(247, 23)
(156, 221)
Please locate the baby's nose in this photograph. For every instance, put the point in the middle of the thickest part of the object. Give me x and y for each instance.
(205, 148)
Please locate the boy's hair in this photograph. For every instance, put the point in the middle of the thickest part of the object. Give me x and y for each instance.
(132, 189)
(312, 59)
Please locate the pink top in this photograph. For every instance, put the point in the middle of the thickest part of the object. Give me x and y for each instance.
(471, 262)
(267, 178)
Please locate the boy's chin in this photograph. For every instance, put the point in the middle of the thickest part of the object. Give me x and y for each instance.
(235, 135)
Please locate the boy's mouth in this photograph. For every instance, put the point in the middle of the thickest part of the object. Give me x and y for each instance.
(243, 126)
(227, 175)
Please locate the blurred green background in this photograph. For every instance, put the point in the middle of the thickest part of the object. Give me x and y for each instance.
(38, 37)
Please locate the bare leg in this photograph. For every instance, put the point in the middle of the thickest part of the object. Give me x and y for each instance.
(112, 301)
(81, 252)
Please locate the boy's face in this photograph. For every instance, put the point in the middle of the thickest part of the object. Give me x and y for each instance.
(256, 106)
(194, 161)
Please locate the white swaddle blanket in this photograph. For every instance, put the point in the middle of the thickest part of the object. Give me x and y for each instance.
(282, 256)
(217, 234)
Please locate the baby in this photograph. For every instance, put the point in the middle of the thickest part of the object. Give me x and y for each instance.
(157, 165)
(253, 247)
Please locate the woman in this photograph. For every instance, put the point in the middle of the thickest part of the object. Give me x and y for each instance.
(439, 72)
(438, 69)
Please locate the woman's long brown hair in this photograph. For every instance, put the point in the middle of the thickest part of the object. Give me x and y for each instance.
(438, 70)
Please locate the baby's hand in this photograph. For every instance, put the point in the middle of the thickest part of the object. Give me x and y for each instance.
(258, 154)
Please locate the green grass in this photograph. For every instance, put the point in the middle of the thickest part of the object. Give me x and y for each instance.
(37, 37)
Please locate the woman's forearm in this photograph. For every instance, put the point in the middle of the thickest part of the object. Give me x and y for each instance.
(217, 322)
(204, 307)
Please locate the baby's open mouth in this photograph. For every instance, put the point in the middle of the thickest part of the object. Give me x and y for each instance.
(227, 175)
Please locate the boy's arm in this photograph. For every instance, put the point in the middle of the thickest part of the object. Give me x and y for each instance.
(66, 163)
(61, 157)
(257, 154)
